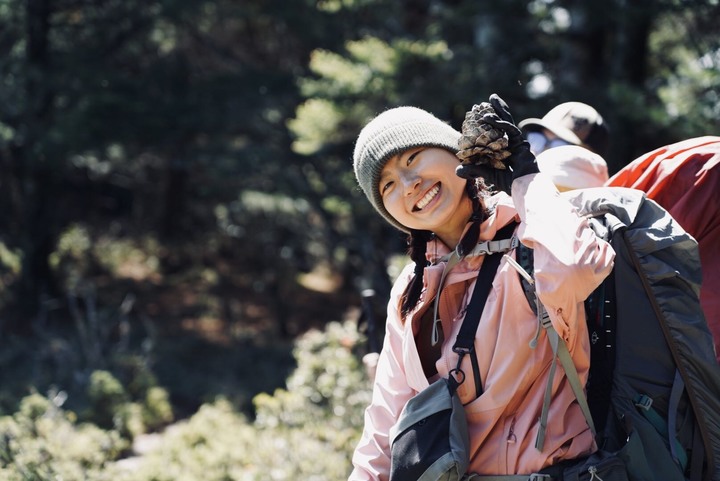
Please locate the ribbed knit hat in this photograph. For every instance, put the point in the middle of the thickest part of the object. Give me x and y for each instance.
(390, 133)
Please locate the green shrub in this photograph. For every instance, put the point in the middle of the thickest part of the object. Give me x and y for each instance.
(157, 410)
(106, 397)
(329, 385)
(42, 443)
(112, 407)
(307, 431)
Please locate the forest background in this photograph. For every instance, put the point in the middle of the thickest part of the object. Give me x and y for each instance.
(184, 252)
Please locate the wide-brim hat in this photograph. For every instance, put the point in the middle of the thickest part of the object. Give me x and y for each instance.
(574, 122)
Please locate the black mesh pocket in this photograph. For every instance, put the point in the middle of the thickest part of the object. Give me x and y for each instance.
(430, 440)
(420, 446)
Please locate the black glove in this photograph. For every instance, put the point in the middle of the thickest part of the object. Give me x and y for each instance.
(522, 160)
(501, 180)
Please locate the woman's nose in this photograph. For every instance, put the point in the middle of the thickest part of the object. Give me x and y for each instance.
(410, 182)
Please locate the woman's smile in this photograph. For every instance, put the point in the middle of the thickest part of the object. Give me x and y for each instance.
(427, 198)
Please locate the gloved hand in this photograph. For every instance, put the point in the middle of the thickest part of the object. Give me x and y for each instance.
(483, 150)
(522, 160)
(501, 180)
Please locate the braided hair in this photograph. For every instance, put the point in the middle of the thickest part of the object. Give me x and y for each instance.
(418, 240)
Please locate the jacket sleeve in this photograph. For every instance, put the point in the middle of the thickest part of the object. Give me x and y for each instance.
(371, 459)
(570, 260)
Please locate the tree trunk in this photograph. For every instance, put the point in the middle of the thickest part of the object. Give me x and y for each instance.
(32, 211)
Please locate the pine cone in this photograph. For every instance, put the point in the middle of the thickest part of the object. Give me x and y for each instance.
(481, 143)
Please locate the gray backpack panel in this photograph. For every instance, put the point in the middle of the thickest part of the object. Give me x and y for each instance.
(657, 358)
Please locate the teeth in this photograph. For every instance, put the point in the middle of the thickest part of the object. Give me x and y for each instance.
(428, 197)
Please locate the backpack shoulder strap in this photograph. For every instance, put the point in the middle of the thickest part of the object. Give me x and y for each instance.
(559, 349)
(465, 342)
(525, 259)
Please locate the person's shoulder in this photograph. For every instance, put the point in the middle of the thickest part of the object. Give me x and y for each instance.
(403, 279)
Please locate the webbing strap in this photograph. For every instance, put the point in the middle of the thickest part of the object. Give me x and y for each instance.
(677, 389)
(644, 404)
(452, 262)
(482, 248)
(540, 439)
(511, 477)
(560, 351)
(465, 342)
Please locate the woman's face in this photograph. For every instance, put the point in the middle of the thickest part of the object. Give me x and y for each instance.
(420, 190)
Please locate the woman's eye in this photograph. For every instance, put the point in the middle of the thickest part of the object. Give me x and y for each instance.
(412, 156)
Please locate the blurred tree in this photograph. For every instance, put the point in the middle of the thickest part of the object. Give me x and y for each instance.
(149, 112)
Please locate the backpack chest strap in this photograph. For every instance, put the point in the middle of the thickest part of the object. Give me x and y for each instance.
(486, 248)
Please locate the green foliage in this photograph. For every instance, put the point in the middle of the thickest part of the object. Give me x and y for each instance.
(315, 423)
(133, 258)
(106, 396)
(71, 258)
(291, 240)
(212, 445)
(81, 253)
(369, 72)
(687, 74)
(101, 370)
(10, 265)
(337, 5)
(316, 122)
(9, 260)
(307, 431)
(325, 385)
(156, 409)
(111, 406)
(42, 443)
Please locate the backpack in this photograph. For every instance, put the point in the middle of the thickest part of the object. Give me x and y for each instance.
(654, 379)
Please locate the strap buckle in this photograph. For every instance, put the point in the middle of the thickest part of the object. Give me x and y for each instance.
(492, 247)
(643, 402)
(544, 317)
(463, 350)
(540, 477)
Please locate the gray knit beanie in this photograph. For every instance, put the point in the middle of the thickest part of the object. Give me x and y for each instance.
(390, 133)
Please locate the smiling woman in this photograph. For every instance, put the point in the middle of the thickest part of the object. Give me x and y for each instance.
(406, 162)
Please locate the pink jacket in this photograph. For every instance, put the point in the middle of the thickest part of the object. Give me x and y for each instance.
(570, 262)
